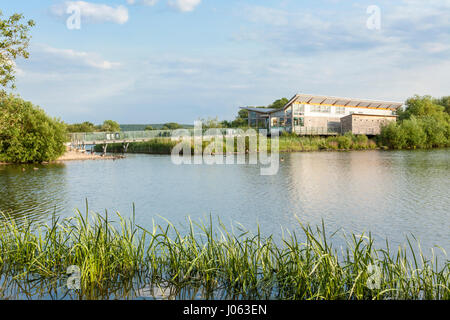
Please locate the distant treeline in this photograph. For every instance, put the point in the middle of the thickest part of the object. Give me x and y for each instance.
(107, 126)
(158, 126)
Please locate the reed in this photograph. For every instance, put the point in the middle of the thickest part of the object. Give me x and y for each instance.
(120, 258)
(287, 143)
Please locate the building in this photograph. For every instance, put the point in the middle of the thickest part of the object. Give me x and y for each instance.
(323, 115)
(367, 124)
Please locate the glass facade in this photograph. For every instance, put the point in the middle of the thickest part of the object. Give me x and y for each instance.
(320, 108)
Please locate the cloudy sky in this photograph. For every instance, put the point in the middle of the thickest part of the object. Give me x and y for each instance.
(154, 61)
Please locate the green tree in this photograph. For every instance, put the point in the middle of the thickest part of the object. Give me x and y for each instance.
(242, 114)
(149, 128)
(211, 123)
(415, 136)
(425, 123)
(392, 136)
(421, 106)
(27, 134)
(81, 127)
(14, 41)
(445, 102)
(278, 104)
(172, 126)
(437, 132)
(110, 126)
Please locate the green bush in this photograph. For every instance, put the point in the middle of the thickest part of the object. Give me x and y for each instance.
(437, 132)
(344, 142)
(425, 123)
(27, 134)
(415, 136)
(392, 136)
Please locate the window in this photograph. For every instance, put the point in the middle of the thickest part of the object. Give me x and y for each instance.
(325, 109)
(320, 108)
(299, 122)
(340, 110)
(299, 108)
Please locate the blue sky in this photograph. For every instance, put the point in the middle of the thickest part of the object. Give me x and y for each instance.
(155, 61)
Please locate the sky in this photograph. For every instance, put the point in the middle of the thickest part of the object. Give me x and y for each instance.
(158, 61)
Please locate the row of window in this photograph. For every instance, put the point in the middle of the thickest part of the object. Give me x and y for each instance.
(281, 122)
(324, 109)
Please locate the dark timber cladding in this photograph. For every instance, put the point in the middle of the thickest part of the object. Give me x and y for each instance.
(307, 114)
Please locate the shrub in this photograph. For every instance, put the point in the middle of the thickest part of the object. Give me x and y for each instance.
(27, 134)
(437, 132)
(392, 136)
(344, 142)
(415, 136)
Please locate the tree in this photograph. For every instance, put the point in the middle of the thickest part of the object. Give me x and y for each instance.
(278, 104)
(421, 106)
(445, 102)
(392, 136)
(110, 126)
(171, 126)
(423, 124)
(14, 41)
(149, 128)
(242, 114)
(211, 123)
(81, 127)
(27, 134)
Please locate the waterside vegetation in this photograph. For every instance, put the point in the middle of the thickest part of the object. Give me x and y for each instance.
(116, 254)
(287, 143)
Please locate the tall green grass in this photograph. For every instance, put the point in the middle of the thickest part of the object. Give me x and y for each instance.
(287, 143)
(121, 256)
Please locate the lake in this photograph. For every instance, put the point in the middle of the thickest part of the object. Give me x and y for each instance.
(392, 194)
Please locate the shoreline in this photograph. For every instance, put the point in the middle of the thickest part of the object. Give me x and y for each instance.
(74, 156)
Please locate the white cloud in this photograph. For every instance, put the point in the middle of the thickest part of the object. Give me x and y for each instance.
(76, 58)
(184, 5)
(149, 2)
(180, 5)
(93, 12)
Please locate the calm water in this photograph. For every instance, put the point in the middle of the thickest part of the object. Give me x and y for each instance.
(391, 194)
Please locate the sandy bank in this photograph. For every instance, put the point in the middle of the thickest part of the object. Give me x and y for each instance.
(74, 155)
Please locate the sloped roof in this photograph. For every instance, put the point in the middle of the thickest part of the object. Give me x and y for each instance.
(260, 110)
(345, 102)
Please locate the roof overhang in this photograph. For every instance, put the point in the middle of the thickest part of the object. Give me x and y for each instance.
(343, 102)
(259, 110)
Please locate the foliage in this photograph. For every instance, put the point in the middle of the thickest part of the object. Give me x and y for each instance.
(425, 123)
(211, 123)
(27, 134)
(421, 106)
(110, 126)
(154, 146)
(14, 41)
(122, 257)
(81, 127)
(445, 102)
(171, 126)
(149, 128)
(278, 104)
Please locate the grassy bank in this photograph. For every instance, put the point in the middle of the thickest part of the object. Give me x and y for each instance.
(211, 260)
(288, 143)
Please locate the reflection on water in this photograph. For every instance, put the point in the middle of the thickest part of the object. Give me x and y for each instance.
(391, 194)
(36, 288)
(32, 191)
